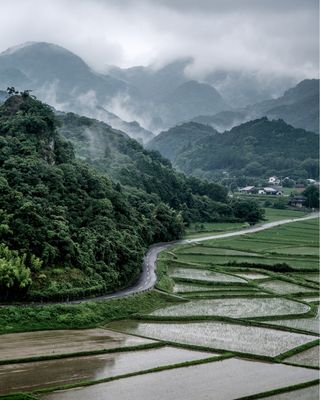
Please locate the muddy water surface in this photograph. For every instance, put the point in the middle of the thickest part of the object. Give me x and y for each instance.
(220, 380)
(41, 343)
(22, 377)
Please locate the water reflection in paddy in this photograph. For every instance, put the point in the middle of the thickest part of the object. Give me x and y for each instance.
(22, 377)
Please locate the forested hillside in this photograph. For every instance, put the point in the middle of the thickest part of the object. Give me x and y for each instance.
(258, 148)
(145, 172)
(75, 232)
(69, 231)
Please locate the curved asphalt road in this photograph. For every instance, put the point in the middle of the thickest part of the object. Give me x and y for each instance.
(148, 276)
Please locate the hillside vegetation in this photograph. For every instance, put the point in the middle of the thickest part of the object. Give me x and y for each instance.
(258, 148)
(66, 229)
(146, 173)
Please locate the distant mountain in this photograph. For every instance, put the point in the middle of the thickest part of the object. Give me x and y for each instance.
(154, 83)
(191, 99)
(65, 81)
(241, 88)
(45, 63)
(223, 120)
(132, 129)
(298, 106)
(141, 100)
(257, 148)
(238, 88)
(179, 139)
(168, 95)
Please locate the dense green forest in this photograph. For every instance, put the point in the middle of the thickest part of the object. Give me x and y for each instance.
(69, 231)
(258, 148)
(144, 173)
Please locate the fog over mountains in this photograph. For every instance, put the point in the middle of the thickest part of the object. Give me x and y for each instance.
(142, 100)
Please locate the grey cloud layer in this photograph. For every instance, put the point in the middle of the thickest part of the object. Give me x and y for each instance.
(271, 36)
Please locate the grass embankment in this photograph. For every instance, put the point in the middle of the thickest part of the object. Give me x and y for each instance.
(19, 396)
(78, 316)
(286, 389)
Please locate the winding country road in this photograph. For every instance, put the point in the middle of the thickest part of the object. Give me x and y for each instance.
(148, 275)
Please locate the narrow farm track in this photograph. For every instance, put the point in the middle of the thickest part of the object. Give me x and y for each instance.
(148, 275)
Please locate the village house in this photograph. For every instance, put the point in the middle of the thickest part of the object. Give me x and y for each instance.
(297, 201)
(274, 180)
(276, 191)
(249, 190)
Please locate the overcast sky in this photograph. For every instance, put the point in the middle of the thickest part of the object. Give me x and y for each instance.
(279, 36)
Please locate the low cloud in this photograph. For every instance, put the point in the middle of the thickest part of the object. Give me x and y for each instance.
(278, 37)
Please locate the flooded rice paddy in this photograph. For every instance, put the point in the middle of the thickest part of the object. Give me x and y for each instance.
(22, 377)
(228, 379)
(203, 274)
(307, 357)
(218, 335)
(282, 287)
(48, 343)
(306, 324)
(220, 380)
(251, 275)
(235, 308)
(309, 393)
(214, 251)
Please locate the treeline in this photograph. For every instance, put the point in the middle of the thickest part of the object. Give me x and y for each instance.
(69, 231)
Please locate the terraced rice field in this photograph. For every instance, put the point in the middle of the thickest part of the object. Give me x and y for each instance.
(21, 376)
(309, 357)
(203, 275)
(306, 324)
(218, 336)
(223, 380)
(243, 311)
(235, 308)
(48, 343)
(309, 393)
(283, 287)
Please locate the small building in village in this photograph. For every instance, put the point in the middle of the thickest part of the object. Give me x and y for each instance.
(297, 201)
(276, 191)
(248, 190)
(274, 180)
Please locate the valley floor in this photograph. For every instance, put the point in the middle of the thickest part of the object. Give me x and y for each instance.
(237, 318)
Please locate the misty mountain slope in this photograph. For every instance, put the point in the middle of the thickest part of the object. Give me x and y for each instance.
(191, 99)
(133, 129)
(298, 106)
(45, 63)
(65, 81)
(154, 83)
(223, 120)
(241, 88)
(178, 139)
(126, 161)
(168, 95)
(256, 148)
(238, 87)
